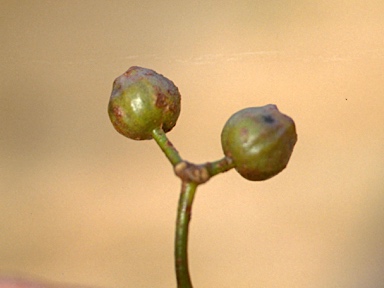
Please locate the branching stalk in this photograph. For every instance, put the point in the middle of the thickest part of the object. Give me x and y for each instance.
(191, 176)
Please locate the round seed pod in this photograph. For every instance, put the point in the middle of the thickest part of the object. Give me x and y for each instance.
(141, 101)
(259, 140)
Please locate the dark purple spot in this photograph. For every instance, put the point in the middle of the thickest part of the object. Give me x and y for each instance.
(268, 119)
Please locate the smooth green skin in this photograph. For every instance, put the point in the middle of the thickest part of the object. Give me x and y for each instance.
(142, 101)
(259, 140)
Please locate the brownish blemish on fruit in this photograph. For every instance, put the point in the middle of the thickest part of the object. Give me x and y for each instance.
(161, 99)
(118, 112)
(244, 133)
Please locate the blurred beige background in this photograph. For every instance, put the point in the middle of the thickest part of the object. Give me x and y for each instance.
(81, 204)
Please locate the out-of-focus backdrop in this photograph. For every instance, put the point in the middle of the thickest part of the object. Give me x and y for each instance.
(79, 203)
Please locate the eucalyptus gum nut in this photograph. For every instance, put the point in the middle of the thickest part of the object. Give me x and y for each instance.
(141, 101)
(259, 140)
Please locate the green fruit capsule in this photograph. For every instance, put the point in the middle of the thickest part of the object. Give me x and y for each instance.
(259, 140)
(142, 101)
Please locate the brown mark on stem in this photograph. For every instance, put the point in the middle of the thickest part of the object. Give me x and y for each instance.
(189, 172)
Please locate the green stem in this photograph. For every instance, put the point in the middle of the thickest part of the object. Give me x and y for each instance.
(169, 150)
(181, 238)
(219, 166)
(191, 176)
